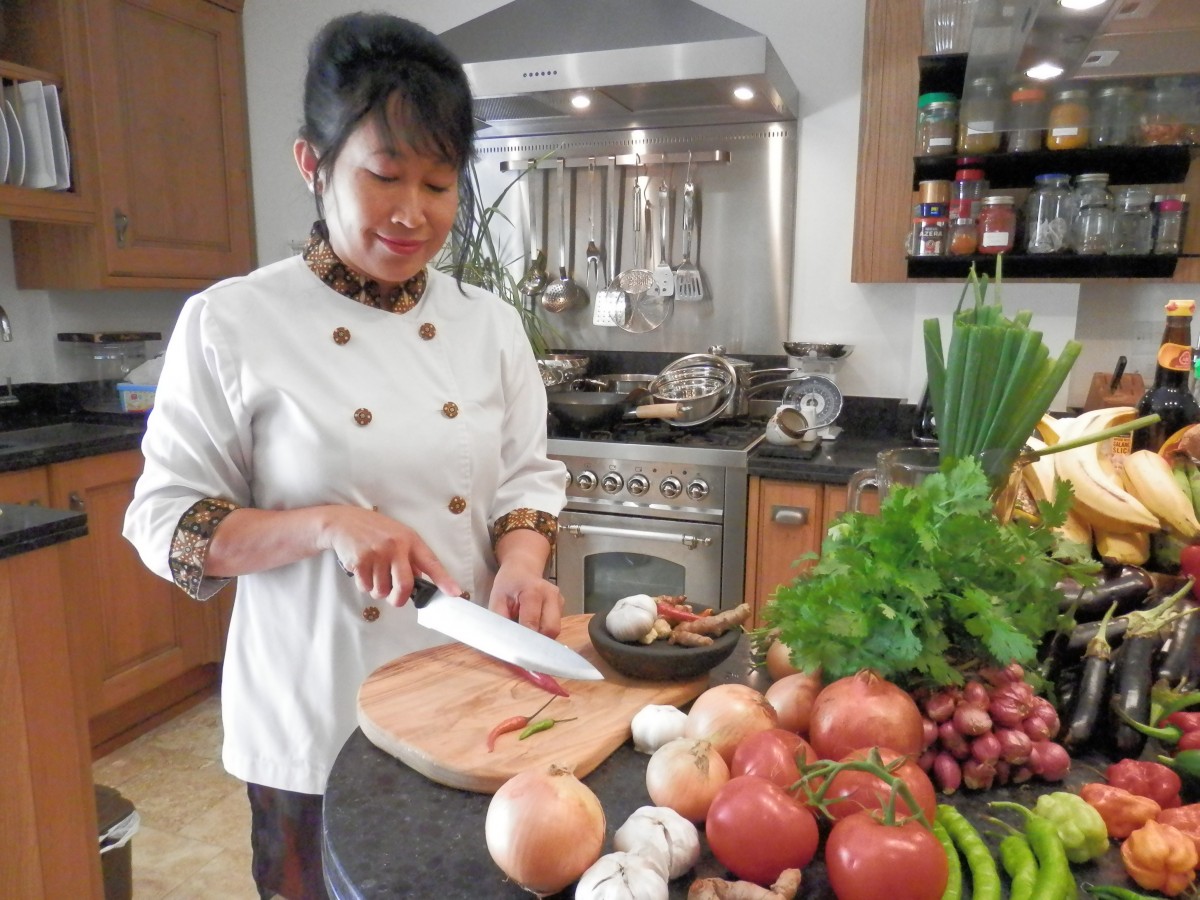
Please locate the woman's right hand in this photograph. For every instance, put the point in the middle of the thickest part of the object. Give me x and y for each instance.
(383, 555)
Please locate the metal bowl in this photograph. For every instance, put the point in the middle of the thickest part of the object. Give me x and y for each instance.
(560, 369)
(695, 388)
(802, 349)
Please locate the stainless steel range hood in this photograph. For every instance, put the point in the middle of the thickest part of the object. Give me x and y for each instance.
(638, 63)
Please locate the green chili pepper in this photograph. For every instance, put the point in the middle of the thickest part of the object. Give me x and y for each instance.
(1021, 865)
(985, 876)
(1080, 825)
(1185, 763)
(954, 883)
(1108, 892)
(541, 725)
(1054, 879)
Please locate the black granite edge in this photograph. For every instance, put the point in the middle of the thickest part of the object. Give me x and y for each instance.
(24, 529)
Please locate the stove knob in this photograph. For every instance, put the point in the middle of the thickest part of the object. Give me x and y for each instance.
(612, 482)
(585, 480)
(698, 489)
(638, 485)
(671, 487)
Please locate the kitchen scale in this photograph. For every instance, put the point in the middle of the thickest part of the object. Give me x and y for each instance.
(816, 393)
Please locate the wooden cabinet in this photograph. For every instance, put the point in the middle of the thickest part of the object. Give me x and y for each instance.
(48, 813)
(143, 644)
(786, 520)
(166, 87)
(893, 74)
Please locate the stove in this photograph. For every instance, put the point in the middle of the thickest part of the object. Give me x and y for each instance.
(654, 508)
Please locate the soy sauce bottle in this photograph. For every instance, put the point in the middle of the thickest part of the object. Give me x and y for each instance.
(1170, 396)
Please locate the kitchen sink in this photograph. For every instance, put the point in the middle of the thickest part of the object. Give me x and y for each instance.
(61, 433)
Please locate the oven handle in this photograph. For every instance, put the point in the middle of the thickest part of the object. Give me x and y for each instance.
(688, 540)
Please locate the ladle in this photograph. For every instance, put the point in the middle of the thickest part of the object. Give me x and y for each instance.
(534, 280)
(563, 294)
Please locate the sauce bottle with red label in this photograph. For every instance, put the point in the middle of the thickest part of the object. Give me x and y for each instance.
(1169, 395)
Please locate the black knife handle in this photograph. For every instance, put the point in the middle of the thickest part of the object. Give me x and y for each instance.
(423, 592)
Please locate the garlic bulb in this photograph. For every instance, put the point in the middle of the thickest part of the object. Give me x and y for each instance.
(622, 876)
(654, 725)
(663, 834)
(631, 617)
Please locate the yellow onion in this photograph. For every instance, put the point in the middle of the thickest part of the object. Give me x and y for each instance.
(726, 714)
(684, 775)
(544, 828)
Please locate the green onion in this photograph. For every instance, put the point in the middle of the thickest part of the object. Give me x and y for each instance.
(993, 383)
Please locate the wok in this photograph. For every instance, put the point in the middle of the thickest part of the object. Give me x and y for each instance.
(585, 410)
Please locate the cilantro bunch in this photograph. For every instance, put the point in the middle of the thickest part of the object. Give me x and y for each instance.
(931, 588)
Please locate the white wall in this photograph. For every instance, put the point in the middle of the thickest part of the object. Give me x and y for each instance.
(820, 42)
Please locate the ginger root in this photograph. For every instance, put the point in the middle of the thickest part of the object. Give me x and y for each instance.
(786, 886)
(717, 625)
(660, 629)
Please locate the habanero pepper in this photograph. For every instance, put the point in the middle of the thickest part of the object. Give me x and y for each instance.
(1146, 778)
(1160, 858)
(1186, 819)
(1123, 812)
(1082, 829)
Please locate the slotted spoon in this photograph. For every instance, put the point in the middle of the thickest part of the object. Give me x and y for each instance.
(565, 293)
(689, 283)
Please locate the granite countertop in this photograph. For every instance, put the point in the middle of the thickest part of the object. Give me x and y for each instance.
(27, 528)
(391, 832)
(832, 462)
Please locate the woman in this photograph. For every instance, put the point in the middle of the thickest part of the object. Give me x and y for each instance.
(350, 410)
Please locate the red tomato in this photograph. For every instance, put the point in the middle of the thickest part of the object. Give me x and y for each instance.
(863, 791)
(772, 754)
(756, 829)
(867, 860)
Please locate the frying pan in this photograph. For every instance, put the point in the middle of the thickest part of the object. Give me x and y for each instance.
(586, 410)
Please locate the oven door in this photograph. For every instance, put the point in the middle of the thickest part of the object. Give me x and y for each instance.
(601, 558)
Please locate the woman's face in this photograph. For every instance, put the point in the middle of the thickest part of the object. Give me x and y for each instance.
(388, 210)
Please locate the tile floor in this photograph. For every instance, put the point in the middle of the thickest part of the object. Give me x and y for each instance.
(194, 841)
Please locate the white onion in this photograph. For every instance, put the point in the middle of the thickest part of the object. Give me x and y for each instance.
(727, 714)
(685, 775)
(544, 828)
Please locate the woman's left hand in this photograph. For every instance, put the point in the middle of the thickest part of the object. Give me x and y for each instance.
(527, 597)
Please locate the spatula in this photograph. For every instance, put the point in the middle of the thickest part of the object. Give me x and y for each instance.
(689, 284)
(664, 278)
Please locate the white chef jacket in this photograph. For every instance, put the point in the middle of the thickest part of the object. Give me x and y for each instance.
(264, 401)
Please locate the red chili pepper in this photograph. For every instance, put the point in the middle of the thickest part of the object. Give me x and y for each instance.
(539, 679)
(1184, 721)
(673, 613)
(1190, 740)
(513, 723)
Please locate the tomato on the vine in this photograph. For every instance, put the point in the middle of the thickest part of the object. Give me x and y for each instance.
(868, 860)
(854, 791)
(756, 829)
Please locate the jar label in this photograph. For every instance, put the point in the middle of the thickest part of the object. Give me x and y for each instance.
(1176, 357)
(981, 127)
(1064, 132)
(995, 238)
(940, 142)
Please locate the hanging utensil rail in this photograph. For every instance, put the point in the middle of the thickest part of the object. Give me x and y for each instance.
(624, 159)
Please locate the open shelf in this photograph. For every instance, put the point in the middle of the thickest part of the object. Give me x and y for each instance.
(1052, 265)
(1124, 165)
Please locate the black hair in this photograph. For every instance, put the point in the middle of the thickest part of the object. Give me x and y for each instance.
(398, 74)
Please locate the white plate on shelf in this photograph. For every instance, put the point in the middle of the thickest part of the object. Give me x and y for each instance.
(16, 146)
(35, 122)
(58, 139)
(3, 149)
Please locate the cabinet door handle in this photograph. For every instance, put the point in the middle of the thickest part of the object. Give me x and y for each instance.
(120, 226)
(789, 515)
(76, 502)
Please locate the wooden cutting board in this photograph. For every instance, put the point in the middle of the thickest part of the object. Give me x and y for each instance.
(433, 710)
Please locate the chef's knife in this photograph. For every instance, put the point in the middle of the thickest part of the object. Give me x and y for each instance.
(497, 636)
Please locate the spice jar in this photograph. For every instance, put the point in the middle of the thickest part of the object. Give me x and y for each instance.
(1133, 222)
(1161, 121)
(1115, 117)
(1091, 223)
(963, 239)
(934, 191)
(1048, 215)
(929, 230)
(997, 224)
(969, 188)
(979, 117)
(1068, 120)
(1168, 226)
(1027, 120)
(937, 124)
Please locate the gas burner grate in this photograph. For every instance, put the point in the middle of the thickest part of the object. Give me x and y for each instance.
(730, 435)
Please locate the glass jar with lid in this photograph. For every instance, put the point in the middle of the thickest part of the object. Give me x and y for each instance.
(997, 224)
(937, 124)
(1168, 225)
(979, 116)
(1133, 222)
(1162, 120)
(1026, 120)
(1091, 223)
(1048, 215)
(1115, 116)
(1069, 120)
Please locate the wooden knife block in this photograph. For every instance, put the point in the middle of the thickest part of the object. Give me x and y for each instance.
(1101, 394)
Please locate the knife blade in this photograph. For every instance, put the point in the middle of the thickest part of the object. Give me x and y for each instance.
(497, 636)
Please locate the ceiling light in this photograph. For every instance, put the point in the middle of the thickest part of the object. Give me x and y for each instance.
(581, 101)
(1044, 71)
(743, 93)
(1081, 4)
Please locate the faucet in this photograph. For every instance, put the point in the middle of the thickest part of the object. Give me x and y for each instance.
(8, 398)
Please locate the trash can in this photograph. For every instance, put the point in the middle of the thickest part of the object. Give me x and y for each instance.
(118, 822)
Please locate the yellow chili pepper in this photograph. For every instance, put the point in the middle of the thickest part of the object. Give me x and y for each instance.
(1160, 858)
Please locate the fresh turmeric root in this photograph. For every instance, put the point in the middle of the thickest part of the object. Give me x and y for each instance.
(686, 638)
(786, 886)
(715, 626)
